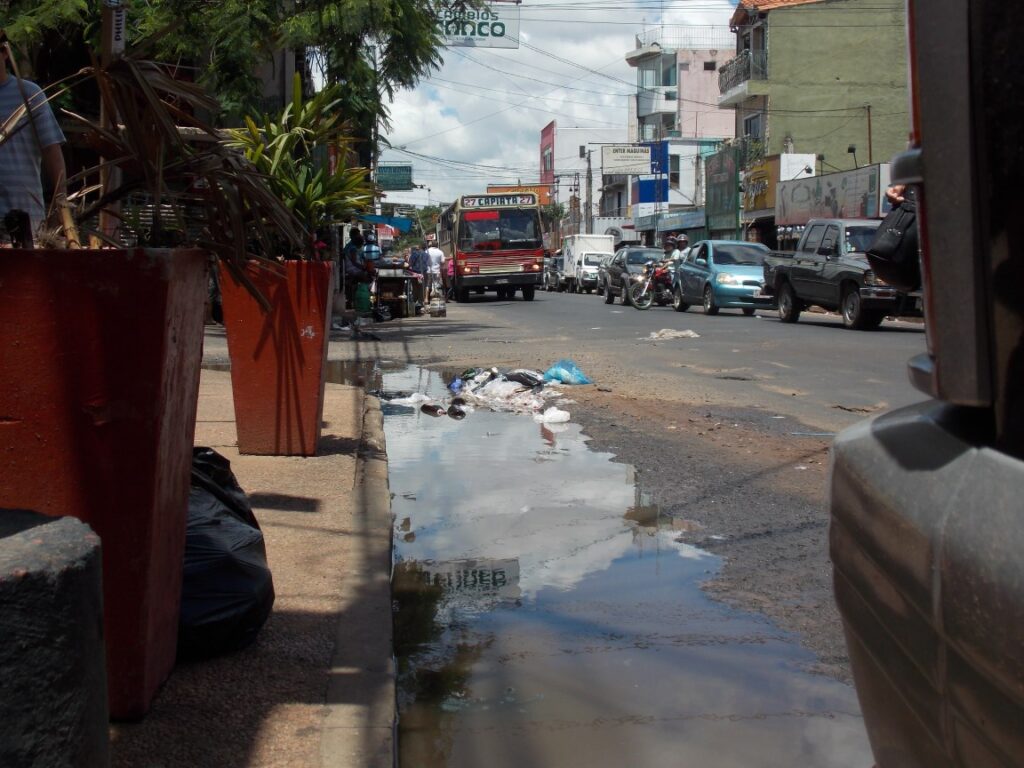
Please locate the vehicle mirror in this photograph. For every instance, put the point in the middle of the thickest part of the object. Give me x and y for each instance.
(826, 250)
(701, 262)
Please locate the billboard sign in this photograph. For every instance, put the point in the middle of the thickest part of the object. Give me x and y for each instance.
(492, 25)
(626, 159)
(394, 177)
(722, 199)
(856, 194)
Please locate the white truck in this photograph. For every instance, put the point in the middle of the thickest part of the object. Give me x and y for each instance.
(583, 254)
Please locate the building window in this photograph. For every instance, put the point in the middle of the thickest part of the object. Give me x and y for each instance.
(684, 67)
(710, 66)
(673, 171)
(753, 126)
(668, 69)
(671, 95)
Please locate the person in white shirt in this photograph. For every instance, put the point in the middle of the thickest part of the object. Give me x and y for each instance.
(435, 257)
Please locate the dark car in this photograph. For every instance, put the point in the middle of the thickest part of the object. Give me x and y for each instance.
(602, 273)
(626, 265)
(552, 280)
(927, 524)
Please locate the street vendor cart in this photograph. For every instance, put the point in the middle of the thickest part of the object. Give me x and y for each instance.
(396, 289)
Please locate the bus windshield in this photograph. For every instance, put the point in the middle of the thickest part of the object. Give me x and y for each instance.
(499, 229)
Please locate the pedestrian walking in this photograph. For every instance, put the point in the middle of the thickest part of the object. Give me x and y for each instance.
(436, 260)
(31, 147)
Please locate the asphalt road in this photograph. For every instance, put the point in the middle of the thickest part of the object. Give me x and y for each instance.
(729, 431)
(815, 370)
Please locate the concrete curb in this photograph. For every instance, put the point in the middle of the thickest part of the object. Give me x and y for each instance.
(358, 729)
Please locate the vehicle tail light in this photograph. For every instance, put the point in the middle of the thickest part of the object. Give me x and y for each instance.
(535, 267)
(470, 269)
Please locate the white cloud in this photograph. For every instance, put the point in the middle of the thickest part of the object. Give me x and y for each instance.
(482, 113)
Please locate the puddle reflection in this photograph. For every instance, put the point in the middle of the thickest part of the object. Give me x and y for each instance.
(547, 613)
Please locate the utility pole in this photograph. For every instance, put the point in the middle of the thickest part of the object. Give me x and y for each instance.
(590, 193)
(871, 158)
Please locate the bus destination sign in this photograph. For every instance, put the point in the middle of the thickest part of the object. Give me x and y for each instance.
(499, 201)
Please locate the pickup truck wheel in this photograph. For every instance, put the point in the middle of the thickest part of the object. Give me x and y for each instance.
(462, 295)
(609, 297)
(527, 293)
(789, 306)
(854, 314)
(677, 300)
(710, 308)
(749, 311)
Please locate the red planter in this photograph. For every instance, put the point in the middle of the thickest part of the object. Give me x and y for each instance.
(278, 358)
(99, 380)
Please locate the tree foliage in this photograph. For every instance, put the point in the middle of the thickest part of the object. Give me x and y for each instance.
(372, 47)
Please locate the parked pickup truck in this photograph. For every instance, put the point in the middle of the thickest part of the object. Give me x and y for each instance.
(829, 270)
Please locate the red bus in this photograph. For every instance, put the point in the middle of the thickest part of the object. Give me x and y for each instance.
(497, 243)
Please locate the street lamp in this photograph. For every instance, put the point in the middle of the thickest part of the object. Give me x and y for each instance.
(852, 150)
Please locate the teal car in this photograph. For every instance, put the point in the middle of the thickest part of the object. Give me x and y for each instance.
(722, 274)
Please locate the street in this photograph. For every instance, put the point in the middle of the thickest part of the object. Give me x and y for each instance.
(729, 431)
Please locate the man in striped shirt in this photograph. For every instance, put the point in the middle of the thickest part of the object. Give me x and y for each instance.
(29, 146)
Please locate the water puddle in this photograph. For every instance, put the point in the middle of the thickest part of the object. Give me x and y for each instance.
(547, 614)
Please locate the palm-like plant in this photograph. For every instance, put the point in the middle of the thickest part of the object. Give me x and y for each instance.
(290, 149)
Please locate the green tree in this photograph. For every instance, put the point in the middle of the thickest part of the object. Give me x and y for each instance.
(372, 47)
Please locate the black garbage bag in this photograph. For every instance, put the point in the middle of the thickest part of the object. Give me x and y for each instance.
(227, 589)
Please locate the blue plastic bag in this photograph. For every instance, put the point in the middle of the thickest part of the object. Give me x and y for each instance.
(566, 372)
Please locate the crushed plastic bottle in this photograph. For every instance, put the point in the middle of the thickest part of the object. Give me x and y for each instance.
(432, 410)
(455, 412)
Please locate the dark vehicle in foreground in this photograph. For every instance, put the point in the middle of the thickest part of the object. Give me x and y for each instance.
(722, 274)
(627, 266)
(829, 269)
(927, 523)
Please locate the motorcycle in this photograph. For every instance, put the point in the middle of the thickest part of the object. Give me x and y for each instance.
(653, 285)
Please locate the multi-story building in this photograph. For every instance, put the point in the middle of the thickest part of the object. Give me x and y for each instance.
(570, 165)
(676, 110)
(821, 78)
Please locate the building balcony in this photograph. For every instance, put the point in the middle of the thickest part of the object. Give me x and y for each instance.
(743, 77)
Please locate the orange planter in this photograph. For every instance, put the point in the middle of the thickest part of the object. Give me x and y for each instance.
(279, 358)
(99, 380)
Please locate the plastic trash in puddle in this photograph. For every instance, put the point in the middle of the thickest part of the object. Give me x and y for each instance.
(432, 410)
(566, 372)
(416, 398)
(525, 377)
(456, 384)
(552, 415)
(455, 412)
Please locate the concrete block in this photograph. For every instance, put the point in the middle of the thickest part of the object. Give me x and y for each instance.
(53, 680)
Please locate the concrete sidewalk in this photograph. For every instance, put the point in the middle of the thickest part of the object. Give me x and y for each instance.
(317, 687)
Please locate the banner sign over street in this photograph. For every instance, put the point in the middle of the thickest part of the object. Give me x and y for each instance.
(394, 177)
(493, 25)
(626, 159)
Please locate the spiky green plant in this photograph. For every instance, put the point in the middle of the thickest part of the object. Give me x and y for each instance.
(290, 149)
